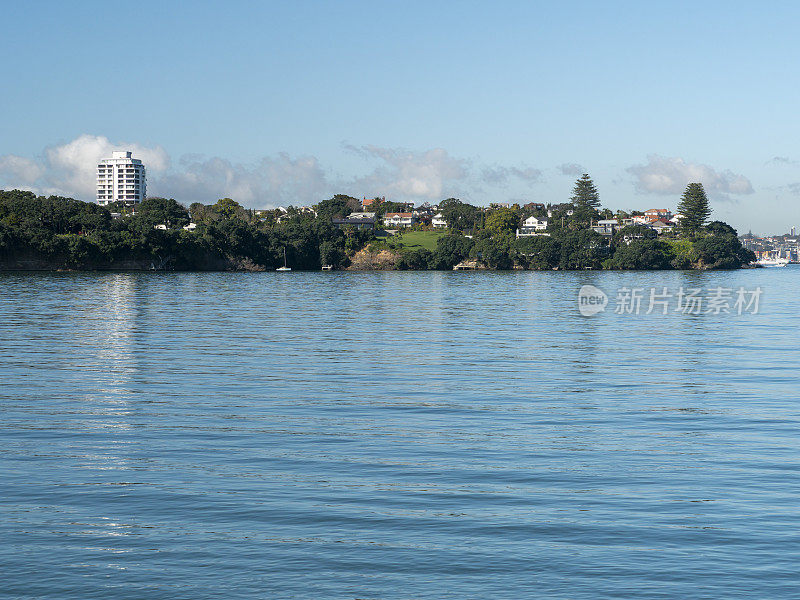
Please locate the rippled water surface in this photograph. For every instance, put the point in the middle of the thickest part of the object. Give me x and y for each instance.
(395, 435)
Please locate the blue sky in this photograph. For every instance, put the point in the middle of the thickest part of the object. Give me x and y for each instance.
(288, 102)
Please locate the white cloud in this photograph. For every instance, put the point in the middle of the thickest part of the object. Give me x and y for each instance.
(665, 175)
(69, 169)
(270, 182)
(499, 175)
(409, 175)
(781, 160)
(571, 169)
(20, 169)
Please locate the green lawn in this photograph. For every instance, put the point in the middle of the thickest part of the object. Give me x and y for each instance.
(416, 240)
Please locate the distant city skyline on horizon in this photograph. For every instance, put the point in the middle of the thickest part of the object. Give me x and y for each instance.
(485, 103)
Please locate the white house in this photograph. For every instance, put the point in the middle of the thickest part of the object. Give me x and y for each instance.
(535, 223)
(399, 219)
(676, 219)
(532, 226)
(438, 221)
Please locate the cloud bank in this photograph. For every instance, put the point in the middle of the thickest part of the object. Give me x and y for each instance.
(430, 175)
(69, 169)
(665, 175)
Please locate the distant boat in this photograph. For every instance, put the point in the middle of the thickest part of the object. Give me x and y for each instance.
(284, 267)
(327, 267)
(773, 262)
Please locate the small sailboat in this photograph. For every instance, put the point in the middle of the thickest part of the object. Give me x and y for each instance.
(284, 267)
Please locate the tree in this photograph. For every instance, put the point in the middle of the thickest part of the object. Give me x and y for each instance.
(337, 207)
(493, 251)
(581, 249)
(156, 211)
(642, 254)
(538, 253)
(721, 228)
(694, 208)
(721, 249)
(584, 194)
(228, 208)
(200, 213)
(631, 233)
(586, 201)
(502, 220)
(416, 260)
(450, 250)
(459, 215)
(331, 252)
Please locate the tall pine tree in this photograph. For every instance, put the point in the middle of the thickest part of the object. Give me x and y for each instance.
(586, 201)
(584, 194)
(694, 208)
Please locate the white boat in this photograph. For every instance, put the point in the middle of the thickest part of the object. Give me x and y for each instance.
(284, 267)
(773, 262)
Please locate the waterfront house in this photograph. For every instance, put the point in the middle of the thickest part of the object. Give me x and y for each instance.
(532, 226)
(404, 219)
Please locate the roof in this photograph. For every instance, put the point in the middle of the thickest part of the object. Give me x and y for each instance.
(401, 215)
(353, 220)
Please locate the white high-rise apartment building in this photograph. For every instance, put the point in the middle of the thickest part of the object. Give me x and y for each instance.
(121, 179)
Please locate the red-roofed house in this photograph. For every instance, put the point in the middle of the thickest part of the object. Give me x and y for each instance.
(658, 214)
(370, 201)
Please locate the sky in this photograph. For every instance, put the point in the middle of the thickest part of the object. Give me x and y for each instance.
(278, 103)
